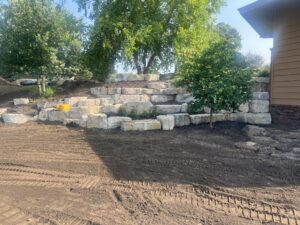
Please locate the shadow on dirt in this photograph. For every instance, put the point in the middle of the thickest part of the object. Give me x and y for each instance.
(193, 155)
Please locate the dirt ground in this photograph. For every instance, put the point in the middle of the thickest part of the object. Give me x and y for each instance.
(51, 174)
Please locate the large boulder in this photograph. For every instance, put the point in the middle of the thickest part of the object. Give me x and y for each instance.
(238, 117)
(21, 101)
(141, 125)
(131, 91)
(244, 108)
(184, 108)
(78, 112)
(261, 96)
(167, 122)
(11, 118)
(184, 98)
(149, 91)
(200, 119)
(98, 121)
(82, 122)
(122, 99)
(138, 108)
(162, 98)
(135, 77)
(46, 105)
(259, 106)
(152, 77)
(157, 85)
(74, 100)
(99, 91)
(114, 91)
(171, 91)
(252, 118)
(55, 115)
(111, 110)
(106, 101)
(182, 119)
(43, 114)
(258, 118)
(115, 122)
(205, 118)
(89, 102)
(261, 84)
(167, 109)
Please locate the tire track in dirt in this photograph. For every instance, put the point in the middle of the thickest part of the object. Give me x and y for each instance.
(208, 198)
(63, 218)
(11, 216)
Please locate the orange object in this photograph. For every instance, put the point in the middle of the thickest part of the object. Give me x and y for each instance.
(63, 107)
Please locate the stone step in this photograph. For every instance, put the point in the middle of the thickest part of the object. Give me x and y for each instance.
(205, 118)
(141, 125)
(12, 118)
(252, 118)
(169, 109)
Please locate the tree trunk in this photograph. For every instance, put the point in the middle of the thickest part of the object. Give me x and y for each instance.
(136, 62)
(150, 62)
(211, 119)
(43, 84)
(39, 86)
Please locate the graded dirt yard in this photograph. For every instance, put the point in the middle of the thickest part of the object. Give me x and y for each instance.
(50, 174)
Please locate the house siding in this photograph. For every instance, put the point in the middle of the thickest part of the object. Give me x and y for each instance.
(285, 85)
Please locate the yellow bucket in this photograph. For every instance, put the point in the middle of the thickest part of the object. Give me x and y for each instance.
(63, 107)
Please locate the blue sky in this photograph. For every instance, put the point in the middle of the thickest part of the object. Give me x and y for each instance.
(251, 40)
(229, 14)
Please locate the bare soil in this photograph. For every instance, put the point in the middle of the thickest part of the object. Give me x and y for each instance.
(51, 174)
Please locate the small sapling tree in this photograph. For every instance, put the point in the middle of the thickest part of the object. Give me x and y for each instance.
(216, 80)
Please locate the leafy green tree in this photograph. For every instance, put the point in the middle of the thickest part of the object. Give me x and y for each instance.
(147, 35)
(215, 78)
(38, 39)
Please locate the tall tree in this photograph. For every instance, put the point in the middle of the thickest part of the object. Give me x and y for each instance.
(37, 38)
(148, 34)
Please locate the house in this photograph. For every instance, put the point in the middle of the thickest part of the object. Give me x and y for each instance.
(280, 20)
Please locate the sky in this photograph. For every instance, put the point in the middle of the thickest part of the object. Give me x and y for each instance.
(251, 40)
(229, 14)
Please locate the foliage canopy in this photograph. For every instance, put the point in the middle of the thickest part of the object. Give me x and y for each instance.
(147, 35)
(39, 38)
(216, 78)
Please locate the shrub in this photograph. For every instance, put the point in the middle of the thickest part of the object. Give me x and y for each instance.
(49, 92)
(135, 116)
(216, 80)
